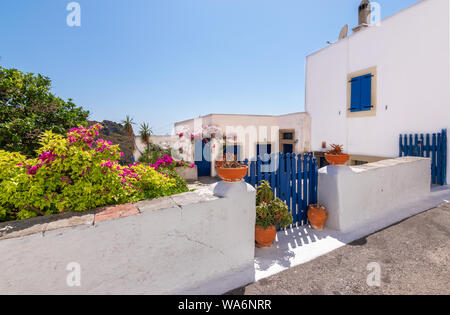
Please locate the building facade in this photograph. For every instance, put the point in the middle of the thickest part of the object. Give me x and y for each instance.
(382, 81)
(207, 138)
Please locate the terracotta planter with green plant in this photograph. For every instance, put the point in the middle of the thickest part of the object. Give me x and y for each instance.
(335, 156)
(270, 214)
(230, 170)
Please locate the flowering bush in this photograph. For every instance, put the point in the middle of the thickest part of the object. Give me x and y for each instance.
(76, 173)
(168, 162)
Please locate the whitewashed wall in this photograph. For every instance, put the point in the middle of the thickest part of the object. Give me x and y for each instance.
(411, 50)
(193, 243)
(356, 197)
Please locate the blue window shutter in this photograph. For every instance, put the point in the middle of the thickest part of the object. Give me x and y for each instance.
(355, 105)
(366, 92)
(361, 93)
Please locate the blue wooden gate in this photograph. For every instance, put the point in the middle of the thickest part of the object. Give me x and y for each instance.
(293, 179)
(432, 146)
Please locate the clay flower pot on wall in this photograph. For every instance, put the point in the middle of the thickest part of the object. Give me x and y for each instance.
(317, 215)
(265, 237)
(232, 174)
(335, 156)
(340, 159)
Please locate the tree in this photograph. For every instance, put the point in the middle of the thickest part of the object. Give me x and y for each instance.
(145, 132)
(128, 125)
(28, 108)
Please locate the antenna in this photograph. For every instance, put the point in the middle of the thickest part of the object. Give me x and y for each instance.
(344, 32)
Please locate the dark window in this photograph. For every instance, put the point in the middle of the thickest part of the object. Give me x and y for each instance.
(288, 136)
(288, 148)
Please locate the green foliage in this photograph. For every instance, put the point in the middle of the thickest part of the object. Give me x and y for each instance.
(153, 153)
(75, 173)
(264, 193)
(269, 211)
(128, 123)
(27, 108)
(180, 182)
(145, 132)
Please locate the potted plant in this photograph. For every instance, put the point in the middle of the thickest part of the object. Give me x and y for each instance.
(335, 156)
(270, 214)
(317, 215)
(230, 170)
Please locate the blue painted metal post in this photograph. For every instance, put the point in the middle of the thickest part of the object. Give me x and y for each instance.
(422, 145)
(416, 145)
(316, 180)
(248, 171)
(439, 159)
(278, 181)
(273, 173)
(444, 157)
(427, 146)
(433, 160)
(288, 189)
(299, 189)
(258, 170)
(400, 144)
(311, 180)
(282, 177)
(253, 173)
(294, 187)
(305, 188)
(410, 153)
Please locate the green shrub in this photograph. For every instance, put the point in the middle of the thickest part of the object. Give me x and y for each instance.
(269, 211)
(75, 173)
(153, 153)
(180, 182)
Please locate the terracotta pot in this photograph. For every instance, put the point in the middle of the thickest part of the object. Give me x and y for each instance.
(340, 159)
(265, 238)
(232, 174)
(317, 217)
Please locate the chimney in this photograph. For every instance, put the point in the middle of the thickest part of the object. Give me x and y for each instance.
(364, 15)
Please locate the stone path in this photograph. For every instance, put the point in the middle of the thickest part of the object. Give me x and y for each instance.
(414, 256)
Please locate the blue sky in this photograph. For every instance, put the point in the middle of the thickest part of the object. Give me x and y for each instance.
(162, 61)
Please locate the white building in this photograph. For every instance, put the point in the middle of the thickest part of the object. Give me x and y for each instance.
(400, 73)
(246, 136)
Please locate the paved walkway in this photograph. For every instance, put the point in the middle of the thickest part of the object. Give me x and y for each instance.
(414, 256)
(202, 182)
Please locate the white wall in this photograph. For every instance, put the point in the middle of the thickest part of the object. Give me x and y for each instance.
(411, 51)
(357, 196)
(193, 243)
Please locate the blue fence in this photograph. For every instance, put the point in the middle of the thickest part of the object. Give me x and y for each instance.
(432, 146)
(293, 179)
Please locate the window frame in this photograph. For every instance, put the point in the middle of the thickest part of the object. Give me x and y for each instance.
(374, 85)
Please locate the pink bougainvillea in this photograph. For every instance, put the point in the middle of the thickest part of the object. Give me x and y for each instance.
(168, 161)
